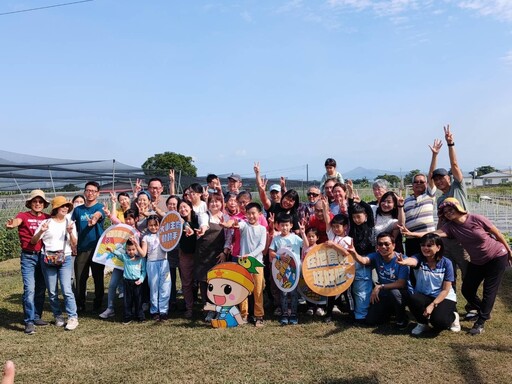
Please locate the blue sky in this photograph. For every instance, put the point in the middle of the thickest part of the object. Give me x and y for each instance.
(287, 83)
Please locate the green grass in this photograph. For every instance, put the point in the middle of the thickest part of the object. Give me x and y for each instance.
(190, 351)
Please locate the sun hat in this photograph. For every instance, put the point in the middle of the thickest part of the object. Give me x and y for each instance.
(275, 187)
(234, 272)
(450, 202)
(36, 193)
(59, 201)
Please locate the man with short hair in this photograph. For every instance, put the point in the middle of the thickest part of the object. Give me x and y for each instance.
(328, 187)
(88, 219)
(234, 184)
(155, 188)
(419, 210)
(307, 209)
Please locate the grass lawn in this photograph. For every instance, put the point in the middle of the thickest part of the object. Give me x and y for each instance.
(179, 350)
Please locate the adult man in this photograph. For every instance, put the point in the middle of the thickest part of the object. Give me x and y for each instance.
(328, 186)
(155, 188)
(88, 219)
(390, 293)
(419, 210)
(306, 210)
(451, 188)
(33, 280)
(234, 183)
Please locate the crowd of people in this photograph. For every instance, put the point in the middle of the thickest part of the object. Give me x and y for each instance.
(402, 260)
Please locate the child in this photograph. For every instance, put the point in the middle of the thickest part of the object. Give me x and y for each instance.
(313, 236)
(133, 276)
(337, 228)
(330, 173)
(159, 275)
(253, 237)
(293, 242)
(362, 232)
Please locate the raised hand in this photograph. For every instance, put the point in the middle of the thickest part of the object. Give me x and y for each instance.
(436, 147)
(447, 134)
(256, 168)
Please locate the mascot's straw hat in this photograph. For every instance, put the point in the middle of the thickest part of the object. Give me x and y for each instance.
(234, 272)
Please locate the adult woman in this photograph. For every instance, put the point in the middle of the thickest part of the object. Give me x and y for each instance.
(187, 250)
(433, 299)
(213, 243)
(173, 257)
(124, 204)
(59, 234)
(389, 214)
(339, 204)
(144, 210)
(489, 252)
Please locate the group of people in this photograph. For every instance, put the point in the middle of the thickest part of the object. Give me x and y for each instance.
(220, 226)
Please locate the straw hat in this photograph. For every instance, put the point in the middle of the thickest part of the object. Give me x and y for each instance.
(451, 202)
(60, 201)
(36, 193)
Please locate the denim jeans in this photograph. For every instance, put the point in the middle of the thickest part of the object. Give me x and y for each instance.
(362, 290)
(33, 286)
(291, 298)
(116, 278)
(159, 279)
(61, 274)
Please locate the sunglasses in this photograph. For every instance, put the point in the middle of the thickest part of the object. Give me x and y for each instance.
(383, 244)
(312, 194)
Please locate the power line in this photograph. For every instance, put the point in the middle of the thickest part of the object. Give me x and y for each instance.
(46, 7)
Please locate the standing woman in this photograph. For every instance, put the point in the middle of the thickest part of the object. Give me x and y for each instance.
(389, 214)
(59, 234)
(489, 252)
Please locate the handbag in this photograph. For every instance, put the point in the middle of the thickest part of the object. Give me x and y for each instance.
(56, 258)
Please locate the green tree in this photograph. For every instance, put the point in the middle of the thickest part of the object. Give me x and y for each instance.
(485, 169)
(362, 183)
(391, 179)
(408, 177)
(69, 188)
(160, 163)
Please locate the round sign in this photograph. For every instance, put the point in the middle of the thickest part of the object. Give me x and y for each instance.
(327, 271)
(308, 295)
(286, 270)
(170, 231)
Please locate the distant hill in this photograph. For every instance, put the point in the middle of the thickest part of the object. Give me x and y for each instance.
(370, 174)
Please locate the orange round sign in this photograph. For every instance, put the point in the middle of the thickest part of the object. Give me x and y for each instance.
(170, 231)
(327, 271)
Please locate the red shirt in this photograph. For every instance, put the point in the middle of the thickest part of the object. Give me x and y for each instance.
(320, 226)
(27, 229)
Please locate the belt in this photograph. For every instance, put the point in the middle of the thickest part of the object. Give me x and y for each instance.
(30, 252)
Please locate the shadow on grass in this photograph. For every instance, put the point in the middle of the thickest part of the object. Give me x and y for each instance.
(370, 379)
(505, 293)
(466, 364)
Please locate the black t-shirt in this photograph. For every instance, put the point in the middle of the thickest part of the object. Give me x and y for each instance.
(276, 208)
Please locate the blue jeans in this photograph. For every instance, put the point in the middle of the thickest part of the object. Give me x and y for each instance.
(362, 290)
(293, 299)
(61, 274)
(33, 286)
(159, 279)
(116, 278)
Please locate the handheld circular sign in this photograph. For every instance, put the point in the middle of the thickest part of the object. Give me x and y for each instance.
(308, 295)
(327, 271)
(112, 240)
(170, 231)
(286, 270)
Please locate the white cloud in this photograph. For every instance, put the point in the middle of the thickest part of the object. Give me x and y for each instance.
(501, 9)
(240, 152)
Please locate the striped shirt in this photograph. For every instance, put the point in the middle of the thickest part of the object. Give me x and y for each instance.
(419, 212)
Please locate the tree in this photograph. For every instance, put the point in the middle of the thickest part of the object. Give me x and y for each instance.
(69, 188)
(361, 183)
(408, 177)
(391, 179)
(160, 163)
(484, 170)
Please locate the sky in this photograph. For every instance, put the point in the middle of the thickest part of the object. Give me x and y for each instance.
(370, 83)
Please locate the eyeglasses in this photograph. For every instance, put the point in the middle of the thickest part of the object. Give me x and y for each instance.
(312, 194)
(91, 191)
(419, 182)
(383, 244)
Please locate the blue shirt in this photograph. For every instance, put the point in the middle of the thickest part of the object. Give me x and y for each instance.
(87, 236)
(133, 269)
(388, 272)
(430, 281)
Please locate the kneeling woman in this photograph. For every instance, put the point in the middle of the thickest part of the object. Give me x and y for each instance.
(433, 300)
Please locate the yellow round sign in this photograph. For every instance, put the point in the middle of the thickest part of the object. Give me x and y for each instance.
(327, 271)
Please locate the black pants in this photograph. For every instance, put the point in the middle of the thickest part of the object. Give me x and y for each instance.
(491, 273)
(132, 301)
(390, 302)
(83, 262)
(441, 317)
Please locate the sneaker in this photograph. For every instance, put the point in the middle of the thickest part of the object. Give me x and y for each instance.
(471, 315)
(121, 295)
(284, 320)
(478, 328)
(302, 301)
(455, 327)
(210, 316)
(294, 320)
(320, 312)
(30, 328)
(127, 321)
(278, 312)
(107, 313)
(72, 324)
(419, 329)
(402, 324)
(259, 322)
(40, 323)
(155, 317)
(336, 311)
(59, 321)
(310, 312)
(164, 317)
